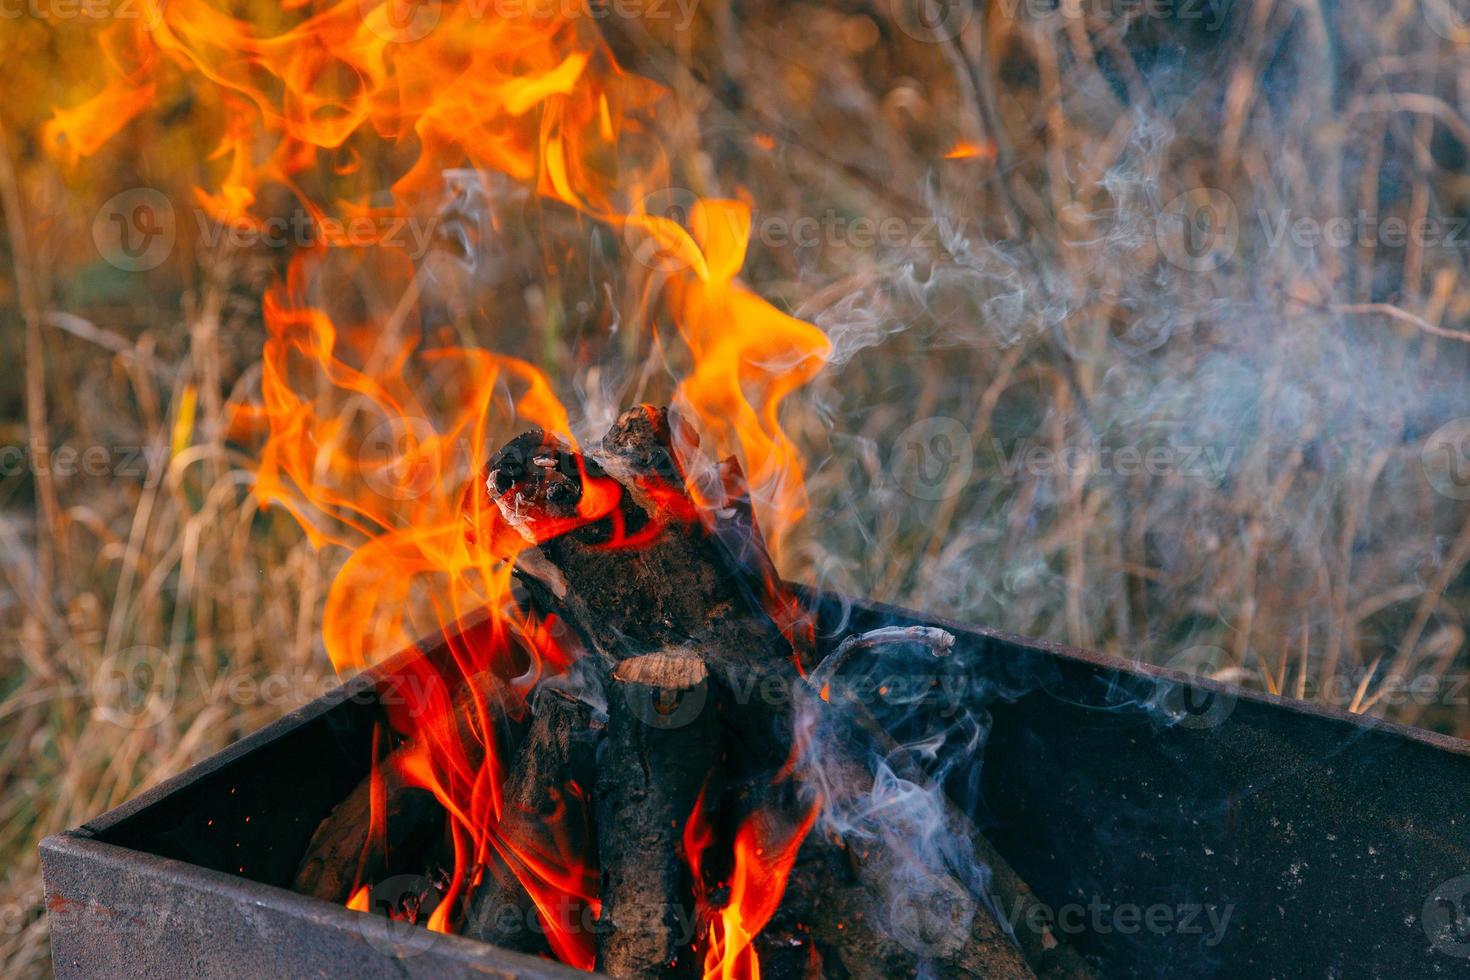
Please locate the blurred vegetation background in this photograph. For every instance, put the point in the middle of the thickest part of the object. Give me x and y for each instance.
(1104, 371)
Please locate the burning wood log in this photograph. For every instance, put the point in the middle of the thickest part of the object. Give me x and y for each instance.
(346, 851)
(662, 745)
(618, 546)
(559, 752)
(683, 582)
(702, 698)
(342, 852)
(618, 550)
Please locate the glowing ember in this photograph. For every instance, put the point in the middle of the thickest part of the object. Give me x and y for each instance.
(969, 150)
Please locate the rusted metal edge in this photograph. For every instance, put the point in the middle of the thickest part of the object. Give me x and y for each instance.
(888, 613)
(361, 686)
(123, 908)
(365, 682)
(1215, 792)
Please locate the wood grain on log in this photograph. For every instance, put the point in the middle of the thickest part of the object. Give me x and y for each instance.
(662, 745)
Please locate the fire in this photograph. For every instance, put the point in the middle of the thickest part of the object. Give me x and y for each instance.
(360, 898)
(970, 150)
(764, 853)
(538, 97)
(369, 436)
(365, 462)
(740, 344)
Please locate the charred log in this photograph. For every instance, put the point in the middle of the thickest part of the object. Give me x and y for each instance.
(681, 585)
(684, 584)
(557, 758)
(342, 852)
(702, 695)
(662, 746)
(347, 850)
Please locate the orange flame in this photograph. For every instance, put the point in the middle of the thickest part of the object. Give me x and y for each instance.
(970, 150)
(538, 97)
(764, 854)
(372, 442)
(740, 345)
(360, 898)
(365, 461)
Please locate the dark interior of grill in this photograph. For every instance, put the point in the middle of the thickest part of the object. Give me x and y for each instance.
(1283, 815)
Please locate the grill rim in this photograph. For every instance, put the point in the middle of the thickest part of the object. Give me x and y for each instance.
(79, 855)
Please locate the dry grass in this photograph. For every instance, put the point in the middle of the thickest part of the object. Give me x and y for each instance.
(1027, 299)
